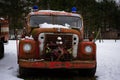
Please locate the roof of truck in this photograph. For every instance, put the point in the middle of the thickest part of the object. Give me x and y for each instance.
(53, 12)
(3, 20)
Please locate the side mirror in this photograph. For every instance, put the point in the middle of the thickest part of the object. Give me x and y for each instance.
(16, 34)
(91, 36)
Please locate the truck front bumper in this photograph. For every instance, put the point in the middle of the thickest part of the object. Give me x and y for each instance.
(57, 64)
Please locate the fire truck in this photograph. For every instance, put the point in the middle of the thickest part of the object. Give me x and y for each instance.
(4, 34)
(54, 40)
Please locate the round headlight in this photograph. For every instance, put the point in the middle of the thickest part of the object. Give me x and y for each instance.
(27, 47)
(88, 49)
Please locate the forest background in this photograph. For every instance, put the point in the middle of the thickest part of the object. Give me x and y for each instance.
(102, 15)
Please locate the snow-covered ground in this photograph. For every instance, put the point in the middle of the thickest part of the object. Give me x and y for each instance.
(8, 65)
(108, 60)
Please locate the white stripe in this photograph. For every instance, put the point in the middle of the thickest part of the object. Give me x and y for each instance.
(4, 29)
(75, 46)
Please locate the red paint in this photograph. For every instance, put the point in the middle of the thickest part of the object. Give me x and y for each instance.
(58, 64)
(81, 51)
(34, 53)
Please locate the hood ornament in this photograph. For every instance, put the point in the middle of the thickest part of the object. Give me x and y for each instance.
(58, 29)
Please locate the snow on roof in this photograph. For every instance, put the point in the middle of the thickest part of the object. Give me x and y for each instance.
(53, 12)
(49, 11)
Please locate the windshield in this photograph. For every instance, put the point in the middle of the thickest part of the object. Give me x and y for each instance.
(69, 21)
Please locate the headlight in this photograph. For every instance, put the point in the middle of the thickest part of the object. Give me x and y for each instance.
(88, 49)
(27, 47)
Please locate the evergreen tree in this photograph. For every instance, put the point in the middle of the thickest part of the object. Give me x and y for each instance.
(104, 14)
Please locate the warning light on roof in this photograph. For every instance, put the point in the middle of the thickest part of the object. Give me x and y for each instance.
(35, 8)
(74, 9)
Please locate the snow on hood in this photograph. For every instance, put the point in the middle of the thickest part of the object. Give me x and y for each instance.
(46, 25)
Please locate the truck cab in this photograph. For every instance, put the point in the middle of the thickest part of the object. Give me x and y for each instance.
(54, 40)
(4, 34)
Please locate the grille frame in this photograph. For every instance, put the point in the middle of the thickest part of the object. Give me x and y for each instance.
(70, 43)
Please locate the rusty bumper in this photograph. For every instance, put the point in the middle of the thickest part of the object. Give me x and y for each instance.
(57, 64)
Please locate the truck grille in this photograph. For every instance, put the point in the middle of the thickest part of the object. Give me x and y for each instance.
(66, 39)
(58, 47)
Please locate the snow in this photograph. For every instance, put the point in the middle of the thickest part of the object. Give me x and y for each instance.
(49, 11)
(8, 65)
(108, 61)
(46, 25)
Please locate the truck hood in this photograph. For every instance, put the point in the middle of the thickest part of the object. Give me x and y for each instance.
(37, 31)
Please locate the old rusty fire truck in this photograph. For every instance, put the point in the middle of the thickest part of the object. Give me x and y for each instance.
(4, 34)
(54, 40)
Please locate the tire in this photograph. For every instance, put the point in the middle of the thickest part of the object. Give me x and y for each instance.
(1, 49)
(22, 72)
(87, 72)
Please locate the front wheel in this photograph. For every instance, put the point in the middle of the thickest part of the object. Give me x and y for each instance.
(88, 72)
(1, 49)
(22, 72)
